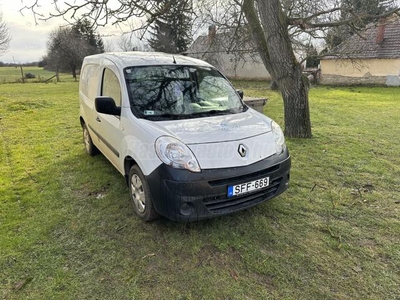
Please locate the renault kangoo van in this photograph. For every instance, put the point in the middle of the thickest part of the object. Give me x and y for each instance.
(181, 135)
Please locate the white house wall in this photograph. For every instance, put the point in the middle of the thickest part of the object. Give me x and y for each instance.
(366, 71)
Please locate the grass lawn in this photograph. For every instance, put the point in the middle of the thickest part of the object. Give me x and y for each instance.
(67, 230)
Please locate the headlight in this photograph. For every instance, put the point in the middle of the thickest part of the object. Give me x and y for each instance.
(176, 154)
(279, 137)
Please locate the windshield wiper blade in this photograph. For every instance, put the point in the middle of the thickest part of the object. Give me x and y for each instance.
(215, 112)
(165, 116)
(192, 115)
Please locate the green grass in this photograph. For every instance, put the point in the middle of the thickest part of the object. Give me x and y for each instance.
(67, 230)
(13, 75)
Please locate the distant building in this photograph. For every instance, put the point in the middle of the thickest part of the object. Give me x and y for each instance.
(241, 62)
(373, 57)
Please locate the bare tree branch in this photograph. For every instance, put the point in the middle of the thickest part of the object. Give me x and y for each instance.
(276, 28)
(5, 37)
(305, 23)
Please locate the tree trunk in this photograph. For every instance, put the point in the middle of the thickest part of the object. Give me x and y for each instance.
(57, 73)
(73, 69)
(269, 28)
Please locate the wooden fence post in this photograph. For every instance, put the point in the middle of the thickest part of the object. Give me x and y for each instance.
(22, 75)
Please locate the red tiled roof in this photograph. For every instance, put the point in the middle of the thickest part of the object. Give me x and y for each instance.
(366, 46)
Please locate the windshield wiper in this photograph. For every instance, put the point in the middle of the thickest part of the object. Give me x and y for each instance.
(164, 116)
(215, 112)
(192, 115)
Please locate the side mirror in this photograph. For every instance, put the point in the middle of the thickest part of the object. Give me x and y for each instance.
(241, 94)
(106, 105)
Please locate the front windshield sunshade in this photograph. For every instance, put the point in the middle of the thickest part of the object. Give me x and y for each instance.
(168, 92)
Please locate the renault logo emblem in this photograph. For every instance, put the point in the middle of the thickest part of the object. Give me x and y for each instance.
(242, 150)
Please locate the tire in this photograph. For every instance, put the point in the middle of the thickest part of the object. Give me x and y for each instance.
(140, 195)
(90, 148)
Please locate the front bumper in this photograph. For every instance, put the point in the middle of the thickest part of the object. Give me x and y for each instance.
(181, 195)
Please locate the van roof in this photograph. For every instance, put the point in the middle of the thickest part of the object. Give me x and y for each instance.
(137, 58)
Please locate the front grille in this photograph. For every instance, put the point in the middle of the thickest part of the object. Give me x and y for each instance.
(223, 204)
(242, 178)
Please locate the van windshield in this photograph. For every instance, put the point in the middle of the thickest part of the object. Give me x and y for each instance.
(180, 92)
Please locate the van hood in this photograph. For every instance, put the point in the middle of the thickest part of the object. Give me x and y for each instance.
(214, 129)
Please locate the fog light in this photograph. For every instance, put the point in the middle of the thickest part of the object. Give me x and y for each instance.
(186, 208)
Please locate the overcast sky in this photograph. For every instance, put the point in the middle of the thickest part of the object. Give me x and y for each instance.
(29, 40)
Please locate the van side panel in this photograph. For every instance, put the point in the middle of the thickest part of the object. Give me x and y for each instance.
(90, 81)
(88, 90)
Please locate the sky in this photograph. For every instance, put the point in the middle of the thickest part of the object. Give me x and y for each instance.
(28, 42)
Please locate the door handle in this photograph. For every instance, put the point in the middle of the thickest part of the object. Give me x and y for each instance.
(98, 119)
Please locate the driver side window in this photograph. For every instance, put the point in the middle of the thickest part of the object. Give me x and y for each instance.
(111, 87)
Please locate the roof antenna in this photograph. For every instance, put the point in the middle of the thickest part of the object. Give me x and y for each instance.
(174, 59)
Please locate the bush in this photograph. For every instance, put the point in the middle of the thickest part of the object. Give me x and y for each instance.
(30, 75)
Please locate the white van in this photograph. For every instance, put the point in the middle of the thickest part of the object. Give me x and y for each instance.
(182, 136)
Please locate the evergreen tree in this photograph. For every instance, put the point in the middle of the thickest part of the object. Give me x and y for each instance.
(312, 60)
(84, 29)
(172, 29)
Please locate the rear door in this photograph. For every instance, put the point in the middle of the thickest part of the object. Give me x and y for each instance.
(89, 88)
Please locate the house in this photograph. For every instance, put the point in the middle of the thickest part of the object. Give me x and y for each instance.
(371, 58)
(234, 58)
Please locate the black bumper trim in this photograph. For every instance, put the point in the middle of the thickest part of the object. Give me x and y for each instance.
(181, 195)
(223, 205)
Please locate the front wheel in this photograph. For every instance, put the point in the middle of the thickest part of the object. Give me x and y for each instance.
(140, 195)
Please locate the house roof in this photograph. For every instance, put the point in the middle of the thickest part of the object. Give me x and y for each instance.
(223, 42)
(366, 46)
(202, 45)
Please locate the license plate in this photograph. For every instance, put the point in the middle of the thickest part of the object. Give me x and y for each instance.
(248, 187)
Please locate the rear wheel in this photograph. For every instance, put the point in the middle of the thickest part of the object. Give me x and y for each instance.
(140, 195)
(90, 148)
